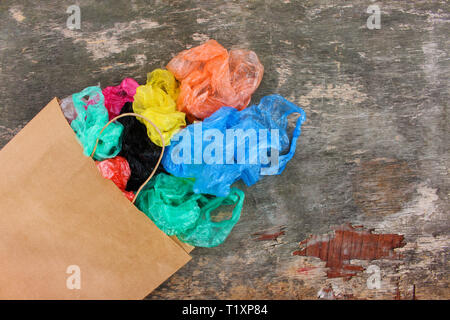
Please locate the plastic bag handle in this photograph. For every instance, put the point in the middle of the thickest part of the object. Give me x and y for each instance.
(283, 160)
(154, 126)
(217, 202)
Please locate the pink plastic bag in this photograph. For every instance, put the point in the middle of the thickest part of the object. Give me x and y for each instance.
(116, 97)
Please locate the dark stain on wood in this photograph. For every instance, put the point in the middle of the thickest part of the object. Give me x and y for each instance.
(381, 187)
(269, 234)
(349, 243)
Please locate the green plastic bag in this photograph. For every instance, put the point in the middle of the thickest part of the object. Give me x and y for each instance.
(174, 207)
(91, 118)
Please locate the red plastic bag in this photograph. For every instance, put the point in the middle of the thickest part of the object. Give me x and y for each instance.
(118, 171)
(116, 97)
(212, 78)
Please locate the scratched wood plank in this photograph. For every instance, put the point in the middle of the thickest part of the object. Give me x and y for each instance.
(374, 151)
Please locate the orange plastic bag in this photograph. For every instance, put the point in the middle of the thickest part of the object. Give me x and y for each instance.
(212, 78)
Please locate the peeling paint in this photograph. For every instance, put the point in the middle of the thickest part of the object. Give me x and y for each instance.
(349, 243)
(200, 37)
(104, 43)
(261, 236)
(284, 73)
(16, 14)
(344, 92)
(421, 215)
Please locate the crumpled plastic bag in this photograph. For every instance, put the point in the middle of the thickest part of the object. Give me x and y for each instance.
(118, 171)
(173, 206)
(116, 97)
(68, 109)
(156, 100)
(91, 118)
(212, 78)
(262, 152)
(141, 153)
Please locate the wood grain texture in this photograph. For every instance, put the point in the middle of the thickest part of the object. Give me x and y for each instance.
(374, 151)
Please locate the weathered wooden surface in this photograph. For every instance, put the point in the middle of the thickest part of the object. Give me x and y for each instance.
(374, 151)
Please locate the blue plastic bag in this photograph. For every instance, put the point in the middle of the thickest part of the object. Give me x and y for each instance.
(91, 118)
(231, 145)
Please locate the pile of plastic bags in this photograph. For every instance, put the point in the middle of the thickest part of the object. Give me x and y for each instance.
(211, 139)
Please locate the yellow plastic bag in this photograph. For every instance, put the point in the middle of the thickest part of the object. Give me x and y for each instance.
(156, 100)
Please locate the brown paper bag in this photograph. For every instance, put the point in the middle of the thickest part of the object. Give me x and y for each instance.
(63, 226)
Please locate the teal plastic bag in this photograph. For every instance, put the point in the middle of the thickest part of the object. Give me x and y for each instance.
(92, 116)
(174, 207)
